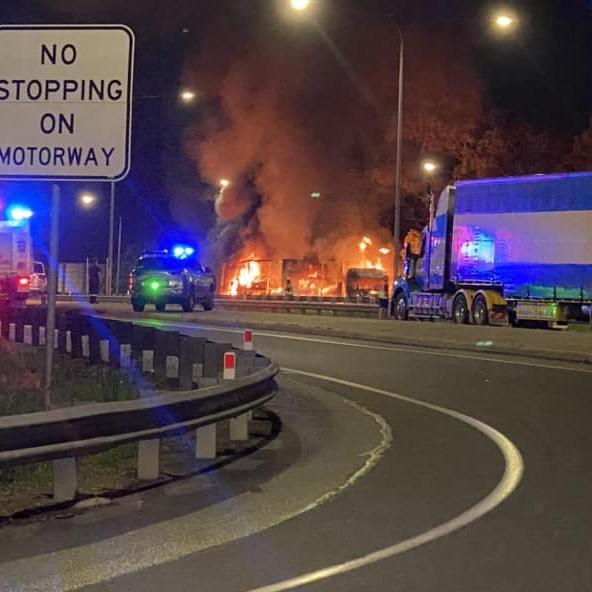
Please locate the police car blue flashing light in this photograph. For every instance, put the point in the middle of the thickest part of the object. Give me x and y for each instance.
(182, 252)
(18, 213)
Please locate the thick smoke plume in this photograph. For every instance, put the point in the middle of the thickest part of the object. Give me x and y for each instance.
(296, 111)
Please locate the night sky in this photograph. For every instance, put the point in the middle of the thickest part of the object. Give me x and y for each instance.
(542, 76)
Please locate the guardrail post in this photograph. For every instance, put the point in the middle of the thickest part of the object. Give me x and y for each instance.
(239, 426)
(28, 334)
(166, 357)
(197, 357)
(65, 481)
(248, 340)
(36, 322)
(61, 328)
(210, 364)
(148, 459)
(104, 350)
(28, 315)
(94, 343)
(121, 340)
(205, 442)
(229, 366)
(142, 349)
(186, 356)
(77, 325)
(19, 320)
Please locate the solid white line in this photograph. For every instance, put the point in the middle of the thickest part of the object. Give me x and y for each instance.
(403, 349)
(511, 479)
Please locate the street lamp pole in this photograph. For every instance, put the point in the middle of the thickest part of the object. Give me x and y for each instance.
(399, 157)
(118, 272)
(109, 278)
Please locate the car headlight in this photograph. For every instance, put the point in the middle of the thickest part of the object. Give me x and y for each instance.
(175, 284)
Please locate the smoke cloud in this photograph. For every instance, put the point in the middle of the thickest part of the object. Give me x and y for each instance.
(301, 121)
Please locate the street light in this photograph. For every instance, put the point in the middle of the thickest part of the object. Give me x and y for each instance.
(300, 5)
(224, 183)
(87, 200)
(504, 21)
(187, 96)
(429, 166)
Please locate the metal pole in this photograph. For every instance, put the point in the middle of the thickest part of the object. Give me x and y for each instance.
(117, 274)
(109, 282)
(399, 158)
(51, 292)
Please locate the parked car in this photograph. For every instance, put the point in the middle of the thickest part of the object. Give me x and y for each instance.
(160, 278)
(38, 281)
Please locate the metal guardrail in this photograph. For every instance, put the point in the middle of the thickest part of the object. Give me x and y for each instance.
(60, 435)
(335, 307)
(78, 431)
(301, 307)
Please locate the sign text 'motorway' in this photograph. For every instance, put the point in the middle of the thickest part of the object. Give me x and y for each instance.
(65, 101)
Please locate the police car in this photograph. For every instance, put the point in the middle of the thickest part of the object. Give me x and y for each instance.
(163, 277)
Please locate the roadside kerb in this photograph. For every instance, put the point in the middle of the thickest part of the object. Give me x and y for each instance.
(395, 340)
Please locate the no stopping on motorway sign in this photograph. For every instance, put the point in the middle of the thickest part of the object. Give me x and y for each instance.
(65, 102)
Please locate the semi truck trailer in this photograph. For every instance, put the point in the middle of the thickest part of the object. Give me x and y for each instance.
(16, 261)
(501, 251)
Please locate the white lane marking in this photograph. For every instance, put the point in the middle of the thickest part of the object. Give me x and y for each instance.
(403, 349)
(511, 479)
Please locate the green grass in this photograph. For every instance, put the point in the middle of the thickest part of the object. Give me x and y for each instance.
(74, 381)
(28, 486)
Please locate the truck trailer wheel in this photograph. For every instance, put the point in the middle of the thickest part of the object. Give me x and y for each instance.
(400, 308)
(480, 311)
(460, 310)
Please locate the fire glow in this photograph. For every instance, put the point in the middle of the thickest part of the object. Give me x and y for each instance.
(254, 276)
(248, 275)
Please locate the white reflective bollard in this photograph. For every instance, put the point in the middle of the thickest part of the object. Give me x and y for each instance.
(248, 340)
(205, 442)
(148, 460)
(65, 480)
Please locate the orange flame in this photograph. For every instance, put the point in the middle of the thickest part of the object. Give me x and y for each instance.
(248, 274)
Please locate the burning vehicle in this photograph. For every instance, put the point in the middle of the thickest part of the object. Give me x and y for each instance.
(358, 277)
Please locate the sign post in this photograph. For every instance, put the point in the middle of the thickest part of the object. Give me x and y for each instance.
(50, 323)
(65, 115)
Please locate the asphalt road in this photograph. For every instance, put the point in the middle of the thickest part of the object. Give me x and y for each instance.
(450, 473)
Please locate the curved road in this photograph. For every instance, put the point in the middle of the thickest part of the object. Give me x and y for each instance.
(420, 498)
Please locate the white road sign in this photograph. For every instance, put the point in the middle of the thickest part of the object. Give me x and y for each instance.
(65, 102)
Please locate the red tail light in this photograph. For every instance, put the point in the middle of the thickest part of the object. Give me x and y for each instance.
(24, 281)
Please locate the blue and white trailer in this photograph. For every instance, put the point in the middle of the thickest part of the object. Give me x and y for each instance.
(500, 251)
